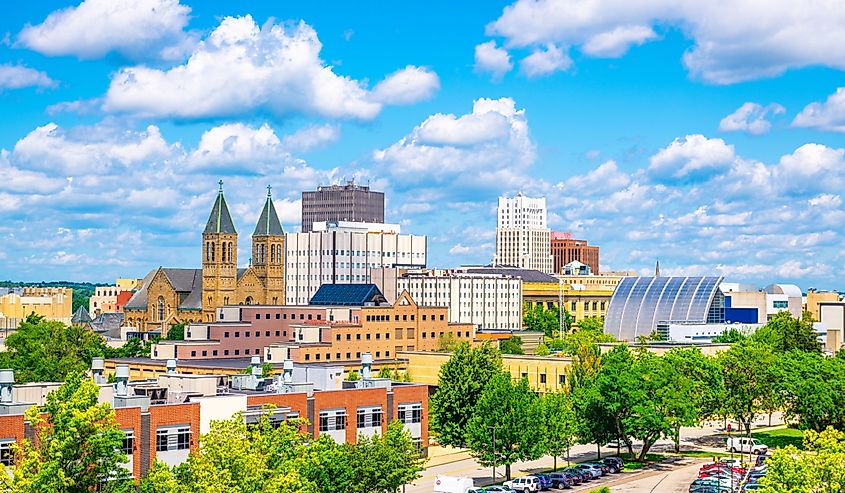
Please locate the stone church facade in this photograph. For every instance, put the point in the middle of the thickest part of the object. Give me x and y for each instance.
(172, 295)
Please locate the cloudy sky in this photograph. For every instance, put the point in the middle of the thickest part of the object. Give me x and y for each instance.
(677, 130)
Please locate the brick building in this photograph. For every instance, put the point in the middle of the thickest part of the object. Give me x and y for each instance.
(335, 331)
(164, 418)
(565, 249)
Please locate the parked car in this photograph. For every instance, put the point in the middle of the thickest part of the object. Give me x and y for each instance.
(545, 481)
(591, 469)
(602, 467)
(525, 484)
(746, 445)
(562, 480)
(584, 475)
(614, 464)
(498, 489)
(453, 484)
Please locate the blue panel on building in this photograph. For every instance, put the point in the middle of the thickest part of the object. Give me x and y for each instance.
(740, 315)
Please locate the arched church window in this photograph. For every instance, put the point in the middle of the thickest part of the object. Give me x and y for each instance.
(230, 251)
(160, 308)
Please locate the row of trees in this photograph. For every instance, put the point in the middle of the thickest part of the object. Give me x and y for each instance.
(820, 467)
(77, 448)
(41, 350)
(635, 395)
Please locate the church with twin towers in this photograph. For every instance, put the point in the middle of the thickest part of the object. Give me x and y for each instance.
(173, 295)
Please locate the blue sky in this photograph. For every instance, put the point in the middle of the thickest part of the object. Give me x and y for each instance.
(710, 139)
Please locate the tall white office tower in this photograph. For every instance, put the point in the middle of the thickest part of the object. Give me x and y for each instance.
(522, 237)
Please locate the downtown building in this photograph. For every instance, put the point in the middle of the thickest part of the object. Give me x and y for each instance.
(523, 239)
(349, 202)
(566, 250)
(346, 253)
(485, 300)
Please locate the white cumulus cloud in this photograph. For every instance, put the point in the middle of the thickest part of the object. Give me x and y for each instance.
(18, 76)
(751, 41)
(137, 29)
(691, 158)
(750, 118)
(829, 115)
(493, 60)
(241, 68)
(545, 60)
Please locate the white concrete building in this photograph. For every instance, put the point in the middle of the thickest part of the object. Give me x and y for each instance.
(489, 301)
(523, 238)
(337, 253)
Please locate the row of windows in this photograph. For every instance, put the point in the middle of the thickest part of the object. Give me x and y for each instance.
(173, 438)
(283, 316)
(336, 419)
(348, 355)
(561, 379)
(226, 352)
(386, 318)
(574, 305)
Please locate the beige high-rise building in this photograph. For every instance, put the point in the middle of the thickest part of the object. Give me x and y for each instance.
(18, 303)
(815, 297)
(523, 239)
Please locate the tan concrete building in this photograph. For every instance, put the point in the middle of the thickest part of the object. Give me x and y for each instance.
(169, 295)
(105, 298)
(18, 303)
(815, 298)
(544, 373)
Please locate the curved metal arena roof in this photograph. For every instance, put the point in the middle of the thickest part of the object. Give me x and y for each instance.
(639, 303)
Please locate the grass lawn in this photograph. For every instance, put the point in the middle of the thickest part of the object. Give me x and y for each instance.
(697, 453)
(632, 464)
(780, 437)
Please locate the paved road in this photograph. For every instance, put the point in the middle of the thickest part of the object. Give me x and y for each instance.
(675, 480)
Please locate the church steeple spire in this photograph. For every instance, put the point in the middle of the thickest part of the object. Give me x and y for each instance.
(268, 221)
(657, 269)
(220, 221)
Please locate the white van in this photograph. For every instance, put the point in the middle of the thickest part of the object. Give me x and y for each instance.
(525, 484)
(745, 445)
(453, 484)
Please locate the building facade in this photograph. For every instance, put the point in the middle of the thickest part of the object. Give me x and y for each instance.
(169, 295)
(522, 236)
(308, 334)
(107, 299)
(18, 303)
(487, 301)
(565, 249)
(349, 202)
(344, 253)
(814, 298)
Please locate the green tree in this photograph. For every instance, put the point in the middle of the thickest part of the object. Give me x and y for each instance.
(730, 336)
(512, 345)
(819, 468)
(705, 383)
(384, 464)
(542, 319)
(747, 372)
(76, 447)
(559, 424)
(542, 350)
(176, 332)
(447, 342)
(587, 337)
(353, 376)
(460, 384)
(591, 324)
(47, 351)
(812, 387)
(785, 333)
(510, 407)
(612, 395)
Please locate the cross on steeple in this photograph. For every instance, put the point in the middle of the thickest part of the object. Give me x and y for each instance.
(268, 190)
(221, 185)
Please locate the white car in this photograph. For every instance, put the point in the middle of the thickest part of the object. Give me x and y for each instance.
(746, 445)
(525, 484)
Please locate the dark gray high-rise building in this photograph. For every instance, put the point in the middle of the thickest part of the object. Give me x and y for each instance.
(348, 202)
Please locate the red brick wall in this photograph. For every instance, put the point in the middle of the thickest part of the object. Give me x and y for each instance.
(413, 393)
(350, 400)
(12, 427)
(174, 414)
(296, 402)
(130, 418)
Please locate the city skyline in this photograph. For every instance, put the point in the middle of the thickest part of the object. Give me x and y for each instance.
(654, 133)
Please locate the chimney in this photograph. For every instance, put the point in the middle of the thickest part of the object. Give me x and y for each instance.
(97, 367)
(366, 365)
(288, 369)
(121, 388)
(7, 380)
(171, 366)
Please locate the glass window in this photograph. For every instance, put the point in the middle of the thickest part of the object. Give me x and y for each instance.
(128, 442)
(7, 456)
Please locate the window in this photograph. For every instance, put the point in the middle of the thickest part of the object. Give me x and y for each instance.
(780, 304)
(226, 335)
(542, 378)
(193, 353)
(160, 309)
(204, 352)
(348, 355)
(258, 316)
(369, 417)
(378, 354)
(126, 447)
(7, 456)
(398, 333)
(442, 317)
(237, 352)
(277, 333)
(266, 333)
(423, 318)
(246, 351)
(405, 318)
(368, 337)
(173, 438)
(237, 334)
(410, 413)
(357, 337)
(333, 420)
(423, 334)
(246, 334)
(348, 337)
(277, 316)
(225, 352)
(307, 357)
(561, 379)
(397, 318)
(337, 337)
